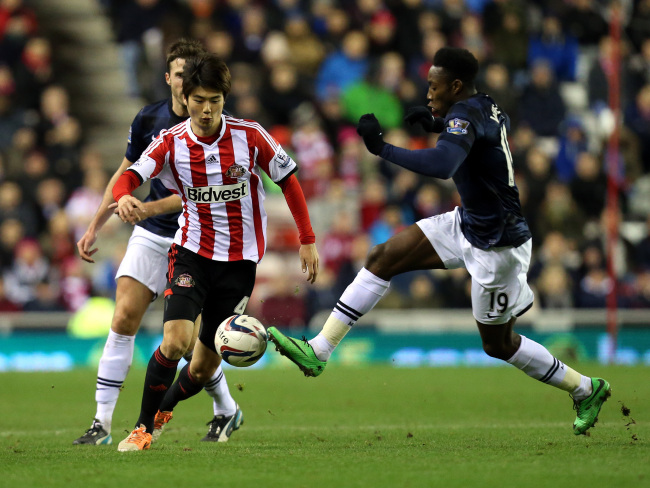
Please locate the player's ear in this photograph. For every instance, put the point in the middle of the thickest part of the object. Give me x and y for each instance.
(456, 86)
(168, 79)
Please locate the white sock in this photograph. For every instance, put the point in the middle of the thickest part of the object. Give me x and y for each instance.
(113, 367)
(358, 299)
(535, 360)
(222, 400)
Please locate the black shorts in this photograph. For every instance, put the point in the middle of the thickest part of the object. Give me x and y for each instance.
(217, 289)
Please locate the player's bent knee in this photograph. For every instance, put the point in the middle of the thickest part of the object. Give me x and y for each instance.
(498, 350)
(375, 262)
(126, 321)
(201, 375)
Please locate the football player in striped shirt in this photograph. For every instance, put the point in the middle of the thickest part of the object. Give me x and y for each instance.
(214, 162)
(141, 276)
(488, 236)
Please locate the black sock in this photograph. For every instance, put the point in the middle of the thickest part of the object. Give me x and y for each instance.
(160, 376)
(183, 388)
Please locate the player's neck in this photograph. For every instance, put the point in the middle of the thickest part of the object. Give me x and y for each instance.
(179, 109)
(465, 94)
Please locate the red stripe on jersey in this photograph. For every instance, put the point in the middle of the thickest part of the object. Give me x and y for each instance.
(172, 166)
(257, 216)
(200, 178)
(233, 209)
(173, 251)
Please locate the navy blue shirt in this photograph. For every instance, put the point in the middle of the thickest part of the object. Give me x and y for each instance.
(145, 128)
(473, 150)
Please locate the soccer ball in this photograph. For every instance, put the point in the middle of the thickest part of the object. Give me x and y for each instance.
(240, 340)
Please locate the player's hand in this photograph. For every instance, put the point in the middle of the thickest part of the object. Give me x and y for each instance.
(309, 261)
(369, 128)
(424, 117)
(85, 244)
(130, 210)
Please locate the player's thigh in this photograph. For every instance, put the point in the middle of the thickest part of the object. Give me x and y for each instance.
(132, 299)
(408, 250)
(188, 283)
(145, 260)
(500, 290)
(232, 286)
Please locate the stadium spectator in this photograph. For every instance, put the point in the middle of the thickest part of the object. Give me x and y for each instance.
(497, 83)
(306, 51)
(7, 305)
(584, 21)
(572, 142)
(639, 27)
(140, 39)
(589, 186)
(556, 47)
(313, 150)
(29, 267)
(377, 92)
(637, 118)
(554, 288)
(599, 73)
(283, 94)
(541, 106)
(510, 41)
(343, 67)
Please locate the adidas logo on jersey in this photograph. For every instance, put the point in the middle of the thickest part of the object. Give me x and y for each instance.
(211, 159)
(218, 193)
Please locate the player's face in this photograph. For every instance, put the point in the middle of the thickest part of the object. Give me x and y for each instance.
(205, 107)
(174, 79)
(442, 91)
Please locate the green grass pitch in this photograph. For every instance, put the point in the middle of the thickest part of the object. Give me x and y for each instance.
(351, 427)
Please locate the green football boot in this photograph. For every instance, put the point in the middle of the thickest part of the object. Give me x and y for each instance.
(298, 351)
(589, 408)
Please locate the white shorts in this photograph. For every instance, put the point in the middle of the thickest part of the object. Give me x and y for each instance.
(145, 259)
(500, 288)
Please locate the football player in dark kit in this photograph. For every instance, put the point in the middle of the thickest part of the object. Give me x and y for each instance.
(488, 236)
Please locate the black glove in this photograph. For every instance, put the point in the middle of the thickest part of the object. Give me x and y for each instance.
(424, 117)
(369, 128)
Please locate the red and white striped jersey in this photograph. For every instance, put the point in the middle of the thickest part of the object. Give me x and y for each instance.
(223, 216)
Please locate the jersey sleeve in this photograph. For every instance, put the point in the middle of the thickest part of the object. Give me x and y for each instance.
(154, 161)
(136, 143)
(271, 157)
(463, 125)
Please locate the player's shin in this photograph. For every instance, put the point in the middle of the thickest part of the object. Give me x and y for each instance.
(217, 388)
(113, 367)
(358, 299)
(537, 362)
(183, 388)
(160, 375)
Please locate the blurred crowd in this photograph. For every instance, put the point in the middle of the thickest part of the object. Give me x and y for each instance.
(306, 70)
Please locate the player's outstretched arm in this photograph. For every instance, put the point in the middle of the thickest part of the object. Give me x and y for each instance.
(297, 204)
(104, 211)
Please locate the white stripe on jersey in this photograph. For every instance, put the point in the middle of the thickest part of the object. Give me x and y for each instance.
(211, 164)
(240, 148)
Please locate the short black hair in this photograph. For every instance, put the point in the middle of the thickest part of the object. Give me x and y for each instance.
(183, 49)
(206, 71)
(459, 63)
